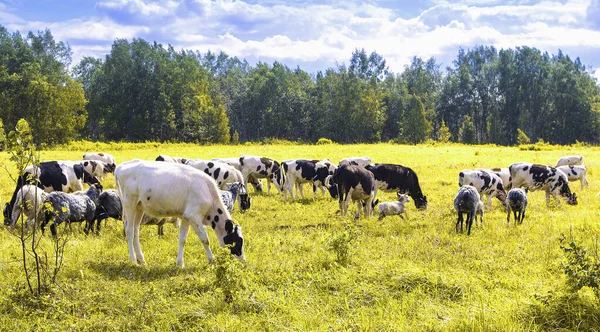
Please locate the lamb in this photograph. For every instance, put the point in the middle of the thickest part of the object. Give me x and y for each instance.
(517, 202)
(393, 208)
(235, 190)
(28, 201)
(467, 201)
(61, 207)
(109, 206)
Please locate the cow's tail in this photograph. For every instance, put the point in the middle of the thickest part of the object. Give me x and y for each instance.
(328, 181)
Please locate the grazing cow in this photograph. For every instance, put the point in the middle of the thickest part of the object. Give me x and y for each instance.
(175, 160)
(235, 163)
(261, 167)
(503, 173)
(101, 156)
(298, 172)
(537, 177)
(356, 183)
(390, 177)
(221, 172)
(569, 160)
(175, 191)
(486, 183)
(359, 161)
(67, 176)
(231, 194)
(97, 168)
(468, 201)
(574, 173)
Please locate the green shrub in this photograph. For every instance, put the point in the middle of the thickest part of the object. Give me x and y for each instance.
(522, 138)
(582, 269)
(323, 141)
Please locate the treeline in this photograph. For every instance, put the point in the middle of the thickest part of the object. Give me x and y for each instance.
(145, 92)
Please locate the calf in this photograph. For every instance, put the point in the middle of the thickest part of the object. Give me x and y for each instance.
(221, 172)
(467, 201)
(574, 173)
(538, 177)
(261, 167)
(517, 202)
(29, 201)
(356, 183)
(569, 160)
(393, 208)
(298, 172)
(359, 161)
(101, 156)
(502, 173)
(176, 191)
(390, 177)
(486, 183)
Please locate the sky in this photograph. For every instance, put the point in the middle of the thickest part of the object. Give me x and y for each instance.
(317, 35)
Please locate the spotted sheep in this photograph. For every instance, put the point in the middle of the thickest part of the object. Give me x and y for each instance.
(486, 183)
(177, 190)
(576, 172)
(517, 202)
(541, 177)
(468, 201)
(62, 207)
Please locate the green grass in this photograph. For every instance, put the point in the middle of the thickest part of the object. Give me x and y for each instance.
(402, 274)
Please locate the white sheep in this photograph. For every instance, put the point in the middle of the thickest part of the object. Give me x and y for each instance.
(393, 208)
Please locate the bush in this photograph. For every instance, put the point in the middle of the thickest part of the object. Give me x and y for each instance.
(324, 141)
(582, 270)
(235, 138)
(522, 138)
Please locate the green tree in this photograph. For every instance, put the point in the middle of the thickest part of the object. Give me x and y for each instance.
(444, 134)
(414, 127)
(467, 131)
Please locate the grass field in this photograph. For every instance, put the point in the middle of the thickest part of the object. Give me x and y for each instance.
(414, 274)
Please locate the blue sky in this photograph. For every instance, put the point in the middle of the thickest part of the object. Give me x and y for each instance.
(317, 35)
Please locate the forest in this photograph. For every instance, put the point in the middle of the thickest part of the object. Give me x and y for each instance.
(143, 91)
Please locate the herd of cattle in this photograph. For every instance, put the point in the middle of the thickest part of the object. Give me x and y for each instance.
(204, 192)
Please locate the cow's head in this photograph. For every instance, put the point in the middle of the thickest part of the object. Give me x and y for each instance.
(278, 177)
(572, 200)
(421, 202)
(234, 239)
(565, 191)
(245, 200)
(331, 186)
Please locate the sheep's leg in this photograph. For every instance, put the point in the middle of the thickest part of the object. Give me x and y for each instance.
(459, 221)
(201, 232)
(508, 216)
(381, 215)
(183, 233)
(469, 222)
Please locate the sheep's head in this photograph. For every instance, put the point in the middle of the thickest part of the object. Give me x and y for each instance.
(403, 198)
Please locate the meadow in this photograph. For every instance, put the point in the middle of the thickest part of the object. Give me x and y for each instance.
(411, 274)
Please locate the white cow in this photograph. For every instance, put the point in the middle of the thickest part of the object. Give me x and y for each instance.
(221, 172)
(570, 160)
(168, 159)
(176, 190)
(29, 200)
(360, 161)
(576, 172)
(538, 177)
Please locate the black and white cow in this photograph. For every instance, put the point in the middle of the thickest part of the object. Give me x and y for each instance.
(101, 156)
(356, 183)
(62, 175)
(221, 172)
(503, 173)
(390, 177)
(97, 168)
(175, 160)
(235, 163)
(538, 177)
(301, 171)
(576, 172)
(486, 183)
(261, 167)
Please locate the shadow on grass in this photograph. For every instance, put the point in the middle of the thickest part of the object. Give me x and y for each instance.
(570, 312)
(304, 227)
(128, 271)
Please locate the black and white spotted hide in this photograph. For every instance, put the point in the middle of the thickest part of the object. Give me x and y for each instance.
(232, 193)
(221, 172)
(541, 177)
(261, 167)
(486, 183)
(301, 171)
(354, 183)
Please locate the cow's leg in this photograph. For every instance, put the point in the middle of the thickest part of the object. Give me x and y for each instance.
(369, 207)
(358, 208)
(547, 198)
(183, 233)
(584, 181)
(300, 187)
(314, 187)
(201, 232)
(489, 200)
(132, 233)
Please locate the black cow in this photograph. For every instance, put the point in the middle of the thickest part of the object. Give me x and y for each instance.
(356, 183)
(390, 177)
